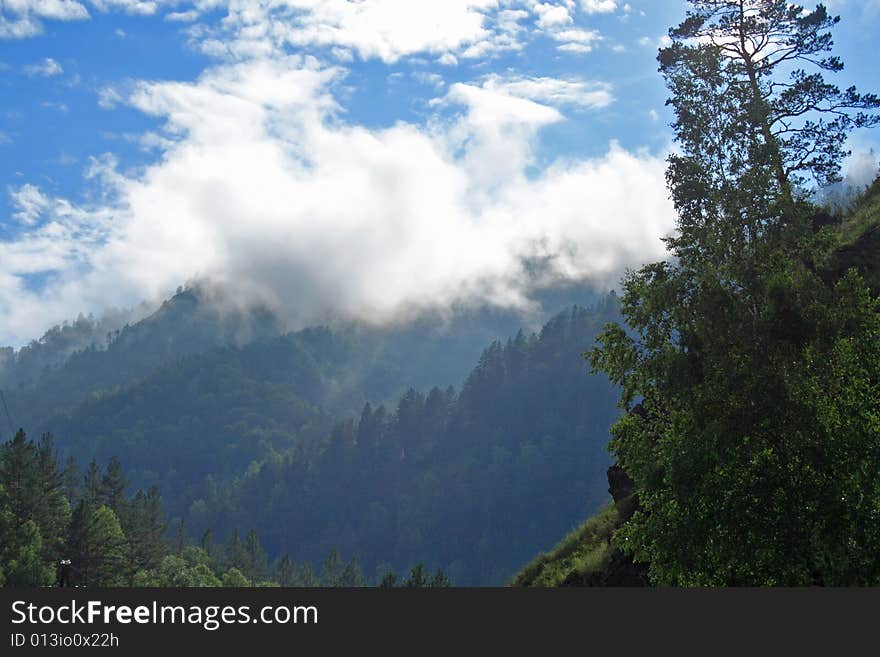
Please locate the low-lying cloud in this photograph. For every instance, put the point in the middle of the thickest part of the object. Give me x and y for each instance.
(263, 186)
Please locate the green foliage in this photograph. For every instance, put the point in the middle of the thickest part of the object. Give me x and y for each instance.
(584, 551)
(144, 525)
(33, 511)
(96, 546)
(175, 571)
(418, 578)
(755, 446)
(233, 578)
(864, 217)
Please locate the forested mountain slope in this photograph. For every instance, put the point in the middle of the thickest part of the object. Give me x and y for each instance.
(289, 435)
(474, 482)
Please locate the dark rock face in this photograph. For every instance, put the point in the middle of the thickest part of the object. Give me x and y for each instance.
(619, 484)
(620, 571)
(622, 490)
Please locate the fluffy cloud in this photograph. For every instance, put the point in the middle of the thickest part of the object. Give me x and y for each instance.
(599, 6)
(554, 91)
(22, 18)
(382, 29)
(46, 68)
(137, 7)
(29, 203)
(390, 29)
(262, 186)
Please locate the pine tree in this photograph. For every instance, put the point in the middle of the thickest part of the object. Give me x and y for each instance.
(255, 566)
(144, 526)
(35, 505)
(418, 577)
(286, 573)
(440, 580)
(72, 481)
(234, 555)
(113, 485)
(307, 577)
(96, 546)
(388, 581)
(92, 490)
(751, 380)
(352, 576)
(332, 569)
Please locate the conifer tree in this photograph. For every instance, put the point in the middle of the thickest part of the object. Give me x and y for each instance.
(255, 564)
(96, 546)
(144, 526)
(752, 379)
(113, 485)
(285, 572)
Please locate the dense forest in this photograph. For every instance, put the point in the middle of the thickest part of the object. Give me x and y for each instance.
(66, 528)
(309, 427)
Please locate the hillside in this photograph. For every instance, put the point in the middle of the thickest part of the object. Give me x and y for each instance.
(586, 556)
(472, 481)
(860, 239)
(348, 437)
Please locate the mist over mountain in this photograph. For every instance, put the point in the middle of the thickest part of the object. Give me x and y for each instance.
(309, 436)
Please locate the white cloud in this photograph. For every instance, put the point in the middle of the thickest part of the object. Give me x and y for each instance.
(262, 186)
(182, 16)
(554, 91)
(29, 203)
(599, 6)
(46, 68)
(577, 40)
(23, 18)
(381, 29)
(551, 16)
(137, 7)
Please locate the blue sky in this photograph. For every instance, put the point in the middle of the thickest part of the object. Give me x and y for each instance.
(366, 159)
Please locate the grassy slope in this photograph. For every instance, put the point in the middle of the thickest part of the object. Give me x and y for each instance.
(865, 216)
(584, 551)
(860, 239)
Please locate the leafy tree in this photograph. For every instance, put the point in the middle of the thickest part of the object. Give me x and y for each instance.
(175, 571)
(234, 578)
(751, 379)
